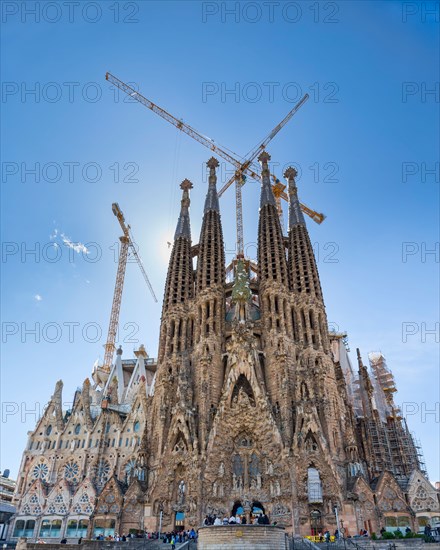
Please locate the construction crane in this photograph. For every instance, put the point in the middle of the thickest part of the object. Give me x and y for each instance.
(127, 244)
(248, 165)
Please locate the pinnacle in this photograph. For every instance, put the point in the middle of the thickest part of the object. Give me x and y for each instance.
(186, 185)
(212, 163)
(264, 157)
(290, 173)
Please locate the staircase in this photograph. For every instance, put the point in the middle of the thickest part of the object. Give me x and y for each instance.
(363, 544)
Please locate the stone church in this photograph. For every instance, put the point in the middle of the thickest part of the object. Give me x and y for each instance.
(251, 406)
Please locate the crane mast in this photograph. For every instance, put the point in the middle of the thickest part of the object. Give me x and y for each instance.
(126, 245)
(116, 304)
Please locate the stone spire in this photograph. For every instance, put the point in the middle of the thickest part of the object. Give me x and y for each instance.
(303, 272)
(183, 228)
(267, 196)
(211, 202)
(295, 213)
(179, 283)
(271, 253)
(211, 257)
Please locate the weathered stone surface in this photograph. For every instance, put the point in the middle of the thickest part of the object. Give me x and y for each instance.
(242, 537)
(253, 406)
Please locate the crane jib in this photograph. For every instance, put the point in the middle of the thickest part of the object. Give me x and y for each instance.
(246, 165)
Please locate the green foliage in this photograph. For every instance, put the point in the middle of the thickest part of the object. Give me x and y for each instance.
(388, 535)
(373, 536)
(398, 534)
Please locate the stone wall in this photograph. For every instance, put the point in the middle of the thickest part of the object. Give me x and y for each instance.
(242, 537)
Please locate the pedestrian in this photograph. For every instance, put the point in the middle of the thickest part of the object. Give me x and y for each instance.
(80, 540)
(173, 543)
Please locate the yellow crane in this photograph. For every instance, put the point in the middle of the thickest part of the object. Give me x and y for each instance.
(241, 166)
(127, 244)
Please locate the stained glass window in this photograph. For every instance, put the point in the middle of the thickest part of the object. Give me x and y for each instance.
(40, 471)
(71, 470)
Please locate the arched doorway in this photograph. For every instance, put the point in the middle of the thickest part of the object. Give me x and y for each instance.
(256, 510)
(315, 522)
(237, 509)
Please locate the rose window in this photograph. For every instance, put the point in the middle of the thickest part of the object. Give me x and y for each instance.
(102, 472)
(130, 467)
(40, 471)
(71, 471)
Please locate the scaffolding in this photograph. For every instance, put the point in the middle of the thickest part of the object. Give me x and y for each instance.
(402, 449)
(420, 457)
(379, 444)
(402, 453)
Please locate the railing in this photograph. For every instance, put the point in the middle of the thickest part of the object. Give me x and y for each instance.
(353, 544)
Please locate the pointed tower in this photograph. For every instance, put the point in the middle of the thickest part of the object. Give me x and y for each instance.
(374, 438)
(308, 318)
(209, 309)
(271, 252)
(211, 258)
(179, 286)
(315, 368)
(274, 300)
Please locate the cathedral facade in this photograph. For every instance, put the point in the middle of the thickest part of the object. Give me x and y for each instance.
(251, 406)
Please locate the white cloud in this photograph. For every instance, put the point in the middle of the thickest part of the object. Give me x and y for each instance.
(38, 297)
(78, 247)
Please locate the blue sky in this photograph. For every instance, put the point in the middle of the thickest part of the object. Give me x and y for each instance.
(366, 143)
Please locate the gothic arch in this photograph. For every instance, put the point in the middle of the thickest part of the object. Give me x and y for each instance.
(236, 507)
(180, 443)
(242, 386)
